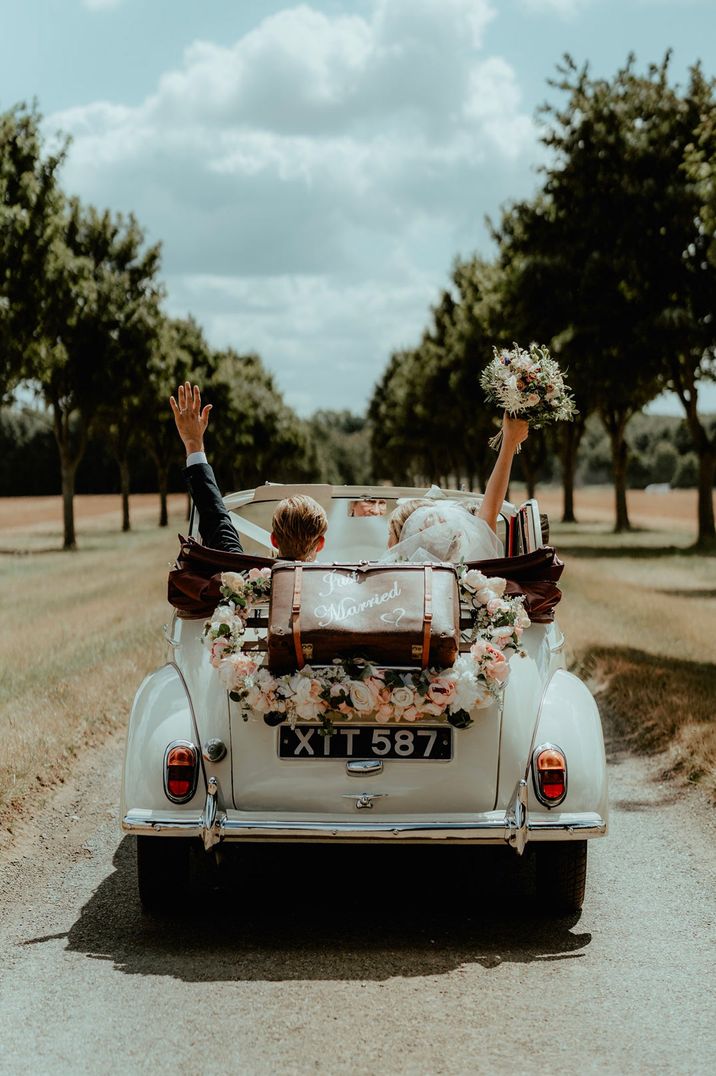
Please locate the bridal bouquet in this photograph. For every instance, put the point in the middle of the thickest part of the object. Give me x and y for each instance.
(527, 384)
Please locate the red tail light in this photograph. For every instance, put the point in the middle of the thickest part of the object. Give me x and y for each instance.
(549, 770)
(181, 770)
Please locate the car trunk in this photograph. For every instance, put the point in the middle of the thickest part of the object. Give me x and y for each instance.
(310, 781)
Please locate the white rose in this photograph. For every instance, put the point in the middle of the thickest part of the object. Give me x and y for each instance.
(223, 614)
(497, 585)
(474, 580)
(501, 636)
(401, 697)
(305, 704)
(362, 697)
(234, 581)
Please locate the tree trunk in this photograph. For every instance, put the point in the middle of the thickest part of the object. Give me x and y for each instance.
(528, 473)
(68, 470)
(620, 455)
(71, 447)
(124, 490)
(705, 446)
(571, 436)
(707, 472)
(163, 483)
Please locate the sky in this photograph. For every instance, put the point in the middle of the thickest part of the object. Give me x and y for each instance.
(313, 169)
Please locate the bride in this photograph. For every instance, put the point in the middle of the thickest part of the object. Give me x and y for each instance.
(425, 529)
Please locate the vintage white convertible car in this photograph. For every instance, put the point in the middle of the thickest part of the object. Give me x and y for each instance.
(529, 773)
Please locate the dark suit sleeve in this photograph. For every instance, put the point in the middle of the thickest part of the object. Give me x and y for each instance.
(215, 526)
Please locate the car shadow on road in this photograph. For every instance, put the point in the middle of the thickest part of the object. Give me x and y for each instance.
(327, 913)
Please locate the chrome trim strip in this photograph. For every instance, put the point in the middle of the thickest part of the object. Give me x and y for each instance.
(496, 830)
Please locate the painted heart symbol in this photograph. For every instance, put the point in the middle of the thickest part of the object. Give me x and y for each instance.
(393, 617)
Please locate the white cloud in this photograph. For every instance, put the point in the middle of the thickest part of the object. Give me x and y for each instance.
(330, 165)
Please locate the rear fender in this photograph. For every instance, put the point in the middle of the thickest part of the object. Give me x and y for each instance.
(569, 719)
(161, 712)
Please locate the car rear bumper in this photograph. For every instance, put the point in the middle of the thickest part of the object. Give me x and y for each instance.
(494, 827)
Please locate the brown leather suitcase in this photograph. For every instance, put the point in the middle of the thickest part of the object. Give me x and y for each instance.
(400, 615)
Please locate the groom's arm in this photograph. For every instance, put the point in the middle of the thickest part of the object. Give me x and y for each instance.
(215, 526)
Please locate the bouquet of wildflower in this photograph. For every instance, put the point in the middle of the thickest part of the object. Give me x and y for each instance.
(496, 619)
(527, 384)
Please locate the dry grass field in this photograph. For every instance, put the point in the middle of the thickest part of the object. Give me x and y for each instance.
(78, 631)
(639, 613)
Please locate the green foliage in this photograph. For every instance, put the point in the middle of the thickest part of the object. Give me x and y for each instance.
(342, 447)
(31, 239)
(687, 471)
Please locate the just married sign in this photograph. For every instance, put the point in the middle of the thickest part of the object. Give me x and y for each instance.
(339, 606)
(392, 614)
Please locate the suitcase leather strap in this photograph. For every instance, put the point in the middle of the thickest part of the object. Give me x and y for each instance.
(296, 615)
(427, 615)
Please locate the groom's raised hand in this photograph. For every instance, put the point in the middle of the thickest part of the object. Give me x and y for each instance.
(191, 419)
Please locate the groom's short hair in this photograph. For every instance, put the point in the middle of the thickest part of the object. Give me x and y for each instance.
(297, 524)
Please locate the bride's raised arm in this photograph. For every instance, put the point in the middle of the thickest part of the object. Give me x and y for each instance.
(514, 432)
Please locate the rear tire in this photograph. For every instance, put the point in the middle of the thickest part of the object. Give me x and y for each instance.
(561, 875)
(163, 873)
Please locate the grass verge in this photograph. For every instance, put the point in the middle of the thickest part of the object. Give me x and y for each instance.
(78, 632)
(640, 616)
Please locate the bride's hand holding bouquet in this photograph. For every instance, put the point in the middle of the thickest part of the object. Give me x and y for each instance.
(528, 385)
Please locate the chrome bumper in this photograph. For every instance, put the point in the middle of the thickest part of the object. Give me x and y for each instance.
(497, 828)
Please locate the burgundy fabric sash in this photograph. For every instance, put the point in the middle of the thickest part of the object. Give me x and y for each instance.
(195, 581)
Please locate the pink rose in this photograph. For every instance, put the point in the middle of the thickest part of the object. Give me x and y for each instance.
(259, 573)
(496, 668)
(217, 650)
(410, 713)
(441, 692)
(478, 649)
(384, 712)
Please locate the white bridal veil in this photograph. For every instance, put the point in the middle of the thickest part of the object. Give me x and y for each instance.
(444, 532)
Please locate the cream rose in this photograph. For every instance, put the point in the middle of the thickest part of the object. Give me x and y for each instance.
(234, 581)
(363, 699)
(401, 697)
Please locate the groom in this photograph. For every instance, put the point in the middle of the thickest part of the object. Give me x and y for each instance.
(299, 523)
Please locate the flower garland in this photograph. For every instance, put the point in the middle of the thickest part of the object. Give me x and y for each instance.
(356, 688)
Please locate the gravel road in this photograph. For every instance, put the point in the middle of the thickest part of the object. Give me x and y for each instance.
(385, 960)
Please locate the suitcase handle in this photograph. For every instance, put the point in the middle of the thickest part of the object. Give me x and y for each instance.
(296, 615)
(427, 615)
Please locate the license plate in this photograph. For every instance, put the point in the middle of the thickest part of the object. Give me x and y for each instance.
(305, 741)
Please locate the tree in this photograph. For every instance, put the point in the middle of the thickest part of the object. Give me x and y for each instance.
(99, 283)
(135, 336)
(256, 437)
(179, 353)
(535, 299)
(343, 447)
(646, 147)
(31, 235)
(688, 319)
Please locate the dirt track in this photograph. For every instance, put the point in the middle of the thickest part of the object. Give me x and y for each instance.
(359, 960)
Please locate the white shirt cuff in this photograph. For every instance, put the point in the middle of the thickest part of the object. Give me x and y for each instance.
(196, 457)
